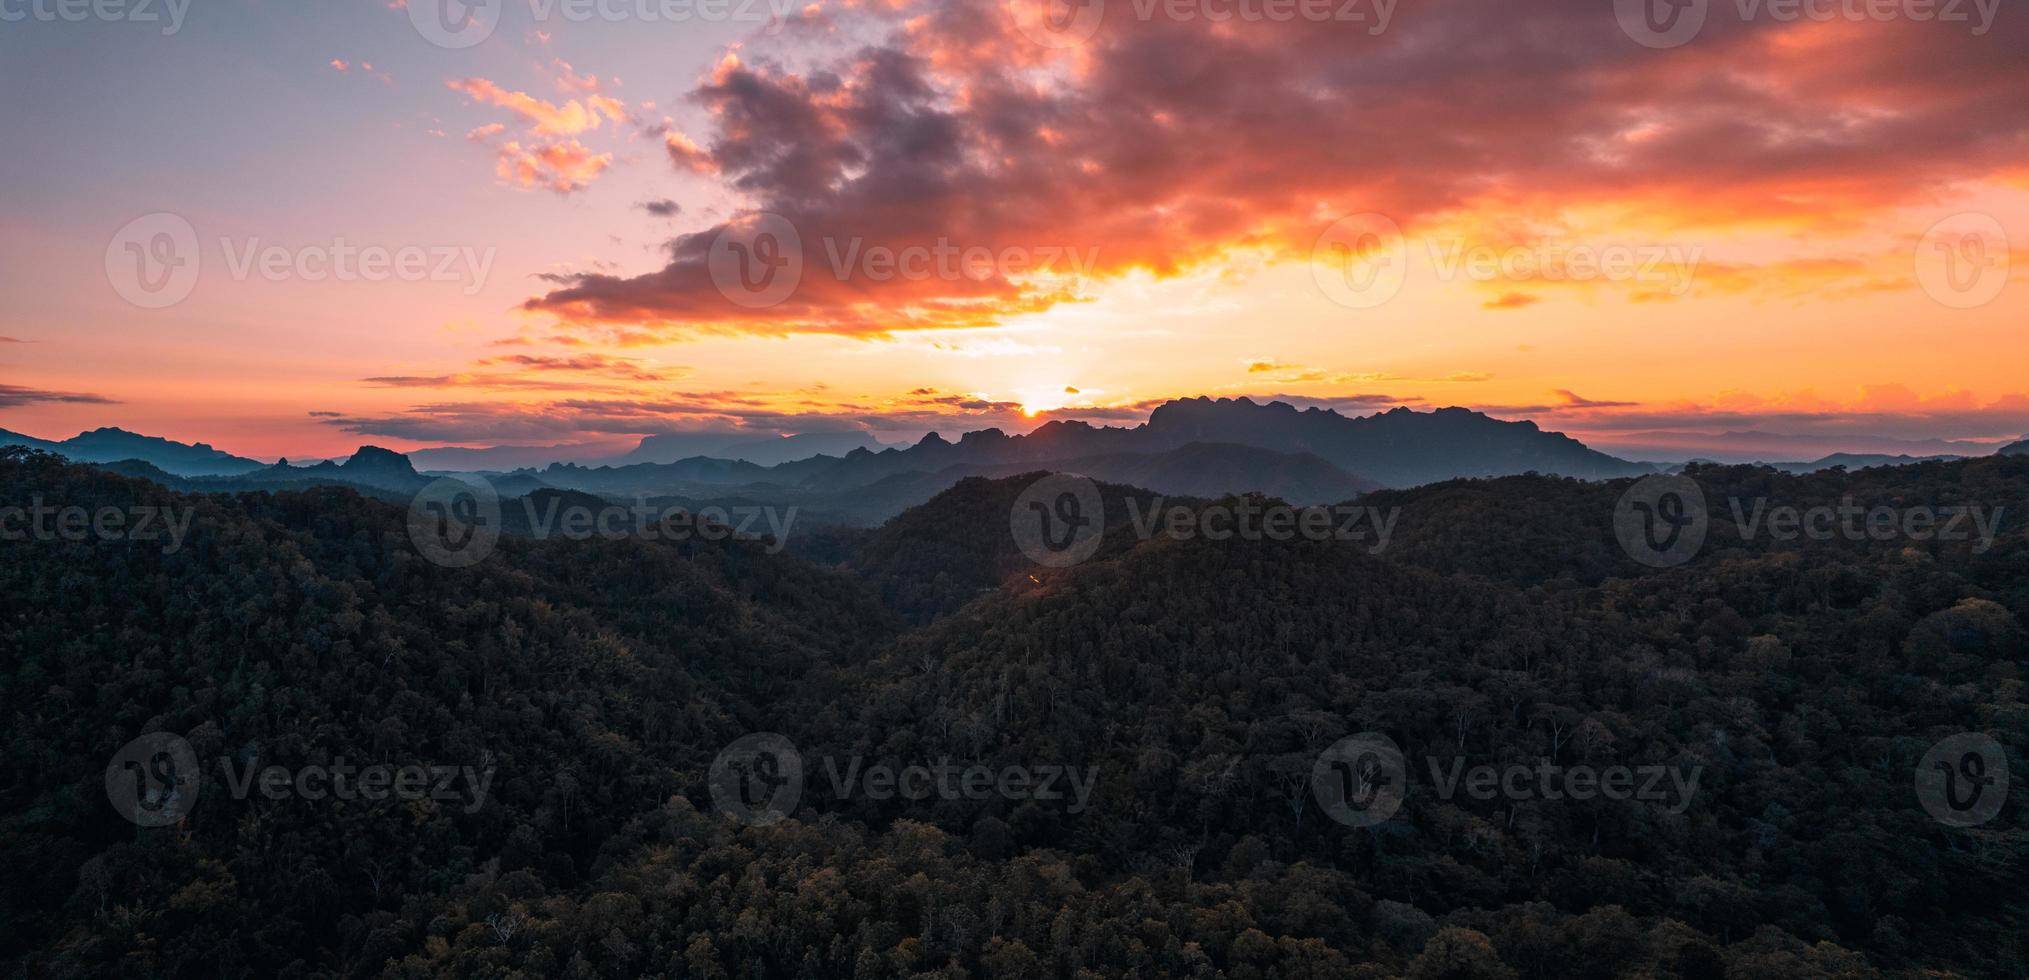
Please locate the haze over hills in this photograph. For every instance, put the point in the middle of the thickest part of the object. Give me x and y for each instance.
(745, 448)
(1756, 446)
(1858, 461)
(1203, 469)
(482, 458)
(370, 469)
(663, 448)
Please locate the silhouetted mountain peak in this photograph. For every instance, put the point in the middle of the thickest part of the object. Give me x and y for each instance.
(110, 434)
(376, 459)
(1060, 425)
(982, 437)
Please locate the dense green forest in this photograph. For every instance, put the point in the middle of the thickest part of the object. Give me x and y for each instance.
(1195, 683)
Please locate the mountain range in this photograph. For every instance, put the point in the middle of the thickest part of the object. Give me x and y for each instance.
(1397, 448)
(1194, 447)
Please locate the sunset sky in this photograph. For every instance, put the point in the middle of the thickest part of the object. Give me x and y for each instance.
(1815, 213)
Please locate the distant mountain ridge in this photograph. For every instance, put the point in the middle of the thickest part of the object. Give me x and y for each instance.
(1397, 448)
(110, 445)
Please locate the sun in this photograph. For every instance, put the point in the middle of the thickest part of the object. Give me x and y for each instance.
(1044, 398)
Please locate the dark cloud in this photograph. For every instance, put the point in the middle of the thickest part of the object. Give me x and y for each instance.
(1574, 400)
(15, 396)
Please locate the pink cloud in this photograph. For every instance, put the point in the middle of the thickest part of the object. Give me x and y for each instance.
(563, 166)
(570, 81)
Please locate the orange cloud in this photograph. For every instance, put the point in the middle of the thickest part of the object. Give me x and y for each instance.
(545, 118)
(961, 127)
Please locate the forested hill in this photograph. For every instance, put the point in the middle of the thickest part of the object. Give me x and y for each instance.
(1782, 693)
(1531, 529)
